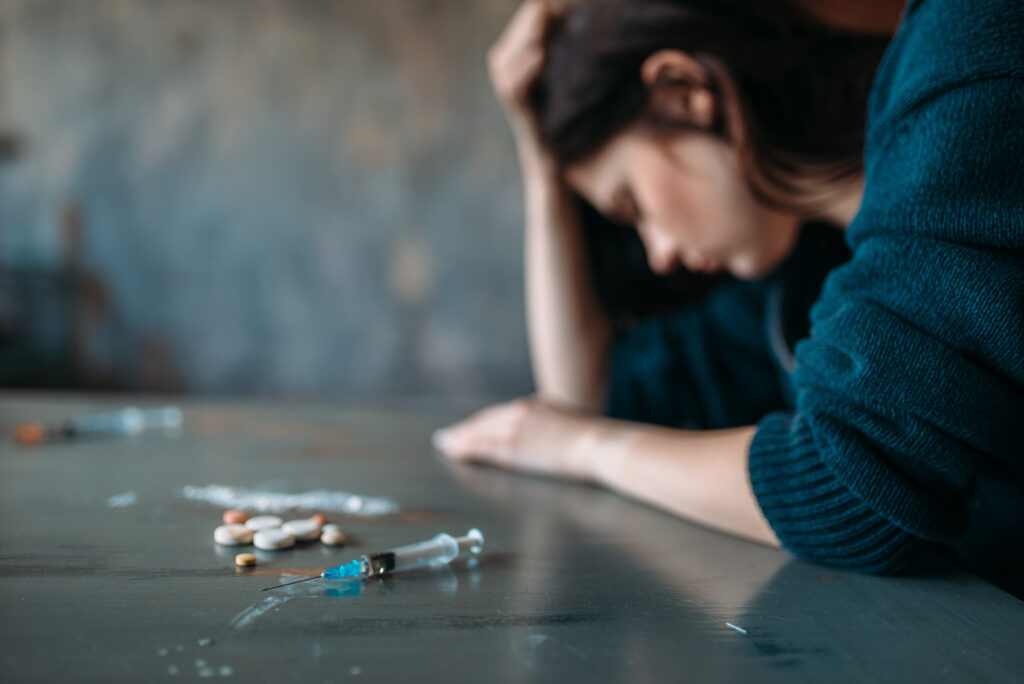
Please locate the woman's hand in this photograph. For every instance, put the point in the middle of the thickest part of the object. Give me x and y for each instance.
(514, 62)
(526, 435)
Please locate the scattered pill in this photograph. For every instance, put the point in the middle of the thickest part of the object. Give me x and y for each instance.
(263, 522)
(273, 539)
(30, 433)
(205, 641)
(320, 519)
(302, 530)
(235, 517)
(332, 535)
(245, 560)
(233, 535)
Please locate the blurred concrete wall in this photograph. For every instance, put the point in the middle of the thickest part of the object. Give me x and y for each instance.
(299, 197)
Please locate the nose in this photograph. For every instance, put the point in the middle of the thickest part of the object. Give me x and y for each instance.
(662, 254)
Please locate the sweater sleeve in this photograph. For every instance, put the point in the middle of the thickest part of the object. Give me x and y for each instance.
(910, 385)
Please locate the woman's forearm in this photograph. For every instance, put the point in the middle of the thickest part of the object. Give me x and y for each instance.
(569, 333)
(700, 476)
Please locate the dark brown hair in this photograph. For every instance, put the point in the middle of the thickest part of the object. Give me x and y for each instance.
(802, 86)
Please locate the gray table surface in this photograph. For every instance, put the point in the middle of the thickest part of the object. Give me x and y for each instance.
(574, 583)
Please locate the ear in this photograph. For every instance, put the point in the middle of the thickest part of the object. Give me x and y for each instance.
(680, 88)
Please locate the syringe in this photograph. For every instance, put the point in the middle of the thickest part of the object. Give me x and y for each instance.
(127, 421)
(437, 551)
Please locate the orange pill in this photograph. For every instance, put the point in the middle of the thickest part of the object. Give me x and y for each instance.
(245, 560)
(30, 433)
(319, 519)
(235, 517)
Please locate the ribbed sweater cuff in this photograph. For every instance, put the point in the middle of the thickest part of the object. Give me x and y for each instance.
(814, 515)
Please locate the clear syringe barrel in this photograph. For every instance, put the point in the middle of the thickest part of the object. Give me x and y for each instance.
(129, 421)
(437, 551)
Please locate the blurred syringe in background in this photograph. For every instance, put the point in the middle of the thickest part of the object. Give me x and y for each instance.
(127, 421)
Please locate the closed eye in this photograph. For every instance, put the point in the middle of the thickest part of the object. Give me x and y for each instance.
(624, 208)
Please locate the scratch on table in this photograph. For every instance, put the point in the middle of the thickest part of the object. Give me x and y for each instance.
(528, 648)
(535, 640)
(577, 652)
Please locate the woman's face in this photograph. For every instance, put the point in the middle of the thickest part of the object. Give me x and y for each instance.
(688, 199)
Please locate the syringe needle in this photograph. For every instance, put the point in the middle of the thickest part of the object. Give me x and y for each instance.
(290, 583)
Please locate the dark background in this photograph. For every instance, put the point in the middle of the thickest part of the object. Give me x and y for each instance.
(274, 197)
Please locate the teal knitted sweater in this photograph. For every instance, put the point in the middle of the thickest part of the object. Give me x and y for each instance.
(908, 426)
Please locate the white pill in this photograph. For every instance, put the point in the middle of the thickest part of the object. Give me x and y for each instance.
(263, 522)
(303, 530)
(332, 535)
(272, 540)
(232, 535)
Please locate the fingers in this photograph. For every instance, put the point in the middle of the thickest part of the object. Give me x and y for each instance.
(491, 435)
(526, 26)
(516, 58)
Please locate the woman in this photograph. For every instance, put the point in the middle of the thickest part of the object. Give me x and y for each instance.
(903, 431)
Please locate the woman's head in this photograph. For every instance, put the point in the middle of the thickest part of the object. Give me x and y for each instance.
(714, 126)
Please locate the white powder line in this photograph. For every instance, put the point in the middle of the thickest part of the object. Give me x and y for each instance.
(123, 500)
(277, 502)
